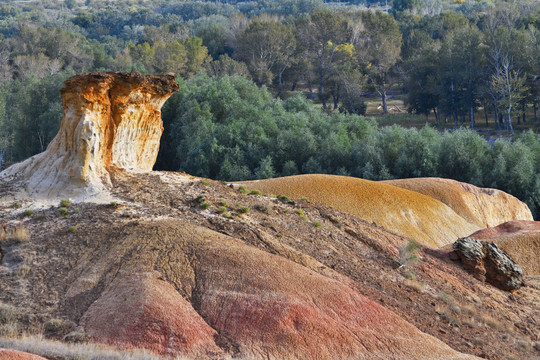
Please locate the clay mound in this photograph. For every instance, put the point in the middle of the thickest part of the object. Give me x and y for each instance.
(261, 305)
(405, 212)
(111, 121)
(479, 206)
(18, 355)
(520, 239)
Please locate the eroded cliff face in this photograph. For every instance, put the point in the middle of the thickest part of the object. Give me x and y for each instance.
(112, 122)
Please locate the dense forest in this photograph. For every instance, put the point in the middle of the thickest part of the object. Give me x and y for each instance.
(272, 88)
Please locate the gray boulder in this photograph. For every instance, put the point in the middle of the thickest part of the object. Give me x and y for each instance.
(487, 262)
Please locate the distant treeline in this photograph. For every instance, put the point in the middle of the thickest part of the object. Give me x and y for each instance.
(230, 129)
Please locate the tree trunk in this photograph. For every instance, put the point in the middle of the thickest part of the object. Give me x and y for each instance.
(437, 116)
(486, 116)
(472, 117)
(454, 114)
(535, 107)
(523, 108)
(427, 118)
(510, 122)
(383, 96)
(293, 87)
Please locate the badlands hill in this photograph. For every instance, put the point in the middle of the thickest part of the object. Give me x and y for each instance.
(185, 266)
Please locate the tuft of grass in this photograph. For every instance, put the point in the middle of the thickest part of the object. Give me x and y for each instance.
(23, 270)
(65, 203)
(20, 235)
(415, 285)
(255, 192)
(40, 217)
(16, 205)
(444, 297)
(265, 208)
(338, 225)
(243, 209)
(72, 229)
(76, 211)
(205, 183)
(317, 224)
(224, 204)
(410, 275)
(63, 211)
(300, 211)
(305, 199)
(222, 210)
(286, 199)
(113, 204)
(29, 212)
(491, 322)
(243, 190)
(303, 217)
(205, 205)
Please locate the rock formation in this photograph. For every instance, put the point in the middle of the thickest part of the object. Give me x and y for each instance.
(479, 206)
(489, 263)
(519, 239)
(112, 121)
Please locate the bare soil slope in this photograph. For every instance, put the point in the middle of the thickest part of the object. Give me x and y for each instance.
(258, 283)
(479, 206)
(405, 212)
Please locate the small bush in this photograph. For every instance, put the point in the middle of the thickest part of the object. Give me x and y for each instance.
(9, 314)
(63, 211)
(57, 326)
(23, 270)
(265, 208)
(408, 254)
(16, 205)
(224, 204)
(222, 210)
(205, 183)
(65, 203)
(242, 190)
(29, 212)
(338, 225)
(199, 199)
(40, 217)
(256, 192)
(76, 211)
(300, 211)
(305, 199)
(72, 229)
(243, 209)
(317, 224)
(286, 199)
(303, 217)
(113, 204)
(205, 205)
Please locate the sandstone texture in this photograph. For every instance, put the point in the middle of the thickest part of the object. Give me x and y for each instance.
(489, 263)
(18, 355)
(519, 239)
(408, 213)
(479, 206)
(112, 122)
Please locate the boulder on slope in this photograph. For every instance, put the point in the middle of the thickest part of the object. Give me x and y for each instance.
(489, 263)
(519, 239)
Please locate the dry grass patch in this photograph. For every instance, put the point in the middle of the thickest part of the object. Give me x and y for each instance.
(65, 351)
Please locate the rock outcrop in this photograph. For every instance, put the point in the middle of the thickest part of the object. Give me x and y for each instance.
(479, 206)
(489, 263)
(519, 239)
(112, 121)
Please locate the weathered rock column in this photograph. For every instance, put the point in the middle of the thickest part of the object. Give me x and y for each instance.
(112, 121)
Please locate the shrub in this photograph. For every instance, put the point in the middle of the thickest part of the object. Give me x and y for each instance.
(29, 212)
(16, 205)
(205, 205)
(303, 217)
(9, 314)
(242, 190)
(65, 203)
(408, 254)
(63, 211)
(113, 204)
(265, 208)
(300, 212)
(317, 224)
(222, 210)
(56, 326)
(199, 199)
(20, 235)
(256, 192)
(243, 209)
(224, 204)
(72, 229)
